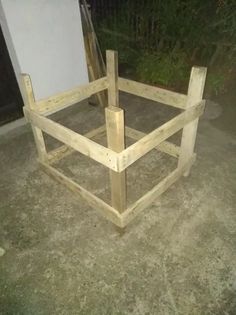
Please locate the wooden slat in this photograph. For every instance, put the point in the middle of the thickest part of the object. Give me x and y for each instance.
(150, 196)
(165, 146)
(153, 93)
(153, 139)
(63, 151)
(80, 143)
(68, 98)
(116, 142)
(195, 93)
(106, 210)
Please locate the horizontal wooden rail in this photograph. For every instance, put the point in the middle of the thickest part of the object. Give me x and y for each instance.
(68, 98)
(106, 210)
(63, 151)
(153, 139)
(153, 93)
(80, 143)
(155, 192)
(165, 146)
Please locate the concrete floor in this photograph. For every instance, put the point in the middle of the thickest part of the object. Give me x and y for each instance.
(177, 257)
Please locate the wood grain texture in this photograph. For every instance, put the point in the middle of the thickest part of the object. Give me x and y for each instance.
(74, 140)
(30, 103)
(112, 77)
(153, 139)
(68, 98)
(116, 142)
(195, 93)
(63, 151)
(165, 146)
(153, 93)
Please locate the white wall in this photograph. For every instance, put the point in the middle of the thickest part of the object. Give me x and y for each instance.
(45, 40)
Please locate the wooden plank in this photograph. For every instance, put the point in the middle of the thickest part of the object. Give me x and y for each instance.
(105, 210)
(112, 77)
(30, 103)
(116, 142)
(63, 151)
(68, 98)
(155, 192)
(153, 139)
(153, 93)
(165, 146)
(195, 93)
(78, 142)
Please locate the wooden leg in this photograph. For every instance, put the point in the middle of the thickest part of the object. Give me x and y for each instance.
(116, 142)
(195, 92)
(40, 144)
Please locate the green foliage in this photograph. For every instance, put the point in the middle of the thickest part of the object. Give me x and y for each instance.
(159, 41)
(165, 69)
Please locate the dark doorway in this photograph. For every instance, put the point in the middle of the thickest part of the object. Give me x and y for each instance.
(10, 97)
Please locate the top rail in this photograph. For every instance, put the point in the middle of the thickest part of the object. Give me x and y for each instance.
(153, 93)
(68, 98)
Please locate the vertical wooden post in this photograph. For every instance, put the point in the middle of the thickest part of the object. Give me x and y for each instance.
(30, 102)
(195, 93)
(112, 77)
(115, 132)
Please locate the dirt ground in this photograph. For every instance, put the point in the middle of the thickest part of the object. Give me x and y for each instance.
(59, 256)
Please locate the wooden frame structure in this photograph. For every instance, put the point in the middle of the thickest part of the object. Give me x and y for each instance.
(116, 157)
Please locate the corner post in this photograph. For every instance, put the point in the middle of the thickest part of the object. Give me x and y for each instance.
(30, 103)
(195, 93)
(115, 132)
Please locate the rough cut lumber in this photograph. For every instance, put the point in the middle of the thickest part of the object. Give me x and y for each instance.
(68, 98)
(195, 93)
(78, 142)
(112, 77)
(153, 93)
(63, 151)
(155, 192)
(153, 139)
(165, 146)
(30, 103)
(116, 142)
(106, 210)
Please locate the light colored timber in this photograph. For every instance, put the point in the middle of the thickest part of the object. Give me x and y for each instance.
(30, 103)
(68, 98)
(80, 143)
(112, 77)
(106, 210)
(116, 142)
(153, 93)
(195, 93)
(153, 139)
(63, 151)
(155, 192)
(165, 146)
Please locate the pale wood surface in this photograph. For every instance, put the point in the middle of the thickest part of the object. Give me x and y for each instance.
(30, 103)
(102, 207)
(155, 192)
(153, 93)
(165, 146)
(195, 93)
(116, 142)
(63, 151)
(68, 98)
(78, 142)
(112, 77)
(153, 139)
